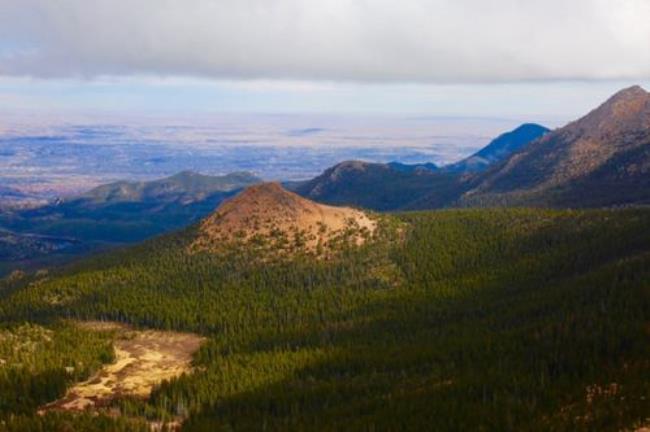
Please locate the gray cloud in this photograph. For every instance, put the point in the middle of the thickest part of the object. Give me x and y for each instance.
(358, 40)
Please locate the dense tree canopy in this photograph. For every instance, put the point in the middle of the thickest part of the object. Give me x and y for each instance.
(451, 320)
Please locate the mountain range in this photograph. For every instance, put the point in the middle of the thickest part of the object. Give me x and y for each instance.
(374, 185)
(113, 214)
(600, 160)
(275, 312)
(398, 186)
(131, 211)
(184, 188)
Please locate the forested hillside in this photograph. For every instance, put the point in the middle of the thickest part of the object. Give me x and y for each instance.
(381, 187)
(451, 320)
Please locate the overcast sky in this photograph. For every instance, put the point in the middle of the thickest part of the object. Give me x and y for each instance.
(440, 57)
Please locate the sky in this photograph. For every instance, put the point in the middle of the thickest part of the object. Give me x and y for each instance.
(523, 59)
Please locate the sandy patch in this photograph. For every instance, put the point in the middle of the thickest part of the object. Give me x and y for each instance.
(143, 359)
(102, 325)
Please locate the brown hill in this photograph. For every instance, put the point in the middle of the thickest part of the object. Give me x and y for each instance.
(600, 159)
(271, 218)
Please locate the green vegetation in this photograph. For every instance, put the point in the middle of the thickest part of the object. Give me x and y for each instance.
(474, 319)
(37, 363)
(64, 422)
(382, 187)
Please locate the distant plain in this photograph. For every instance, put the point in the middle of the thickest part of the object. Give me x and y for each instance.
(45, 158)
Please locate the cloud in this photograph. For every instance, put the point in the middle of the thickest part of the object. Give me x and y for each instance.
(438, 41)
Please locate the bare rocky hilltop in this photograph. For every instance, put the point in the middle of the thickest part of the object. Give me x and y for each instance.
(269, 216)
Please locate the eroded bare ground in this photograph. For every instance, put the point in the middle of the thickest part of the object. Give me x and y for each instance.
(143, 359)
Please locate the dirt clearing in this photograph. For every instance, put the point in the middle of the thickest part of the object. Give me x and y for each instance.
(142, 360)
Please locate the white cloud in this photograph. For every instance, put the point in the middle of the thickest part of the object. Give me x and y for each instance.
(358, 40)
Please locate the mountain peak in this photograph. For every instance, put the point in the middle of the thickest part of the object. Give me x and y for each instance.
(629, 101)
(263, 197)
(624, 112)
(264, 189)
(606, 147)
(499, 148)
(630, 93)
(531, 127)
(272, 218)
(351, 166)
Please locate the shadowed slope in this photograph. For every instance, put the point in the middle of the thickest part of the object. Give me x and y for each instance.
(499, 149)
(379, 187)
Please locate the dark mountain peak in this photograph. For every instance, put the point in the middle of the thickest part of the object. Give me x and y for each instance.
(353, 165)
(351, 168)
(340, 176)
(500, 148)
(376, 186)
(526, 127)
(509, 142)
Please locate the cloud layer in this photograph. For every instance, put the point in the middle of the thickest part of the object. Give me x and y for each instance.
(436, 41)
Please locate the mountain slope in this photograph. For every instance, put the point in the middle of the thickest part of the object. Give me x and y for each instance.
(183, 188)
(499, 149)
(395, 186)
(376, 186)
(118, 213)
(601, 159)
(410, 168)
(128, 211)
